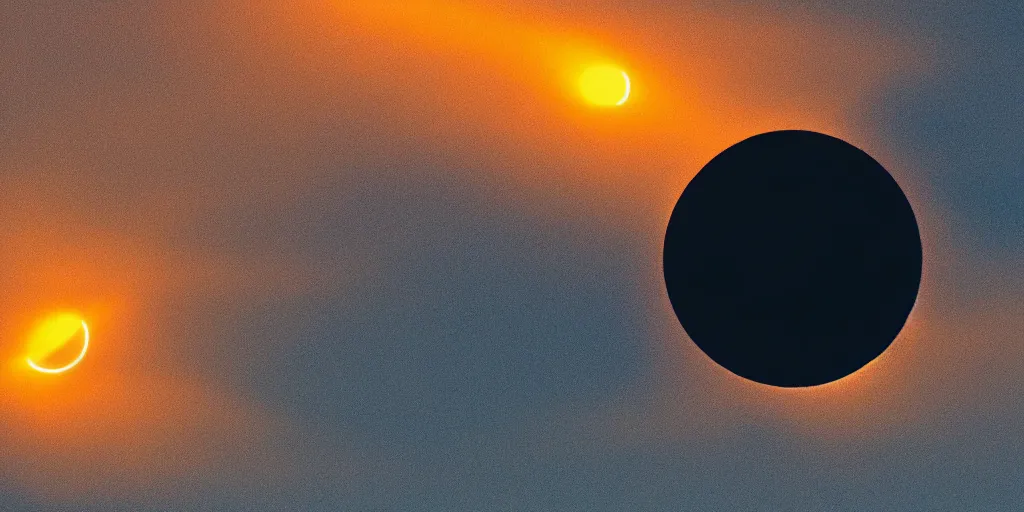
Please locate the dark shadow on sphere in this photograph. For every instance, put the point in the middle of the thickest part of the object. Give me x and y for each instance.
(793, 259)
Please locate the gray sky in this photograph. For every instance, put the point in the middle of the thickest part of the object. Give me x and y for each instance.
(379, 257)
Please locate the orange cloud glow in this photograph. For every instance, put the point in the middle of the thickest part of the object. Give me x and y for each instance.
(501, 77)
(250, 105)
(130, 422)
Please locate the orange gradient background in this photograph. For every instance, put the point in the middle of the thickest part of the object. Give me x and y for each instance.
(102, 180)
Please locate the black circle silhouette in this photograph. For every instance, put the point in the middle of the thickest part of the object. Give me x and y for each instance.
(792, 259)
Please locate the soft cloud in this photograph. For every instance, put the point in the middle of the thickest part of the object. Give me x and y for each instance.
(171, 169)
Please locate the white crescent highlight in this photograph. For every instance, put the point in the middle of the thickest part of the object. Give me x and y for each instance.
(85, 348)
(628, 86)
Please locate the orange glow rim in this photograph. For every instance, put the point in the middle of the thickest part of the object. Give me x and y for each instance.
(85, 348)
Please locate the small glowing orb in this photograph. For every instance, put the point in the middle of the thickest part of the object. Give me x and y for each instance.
(51, 336)
(605, 86)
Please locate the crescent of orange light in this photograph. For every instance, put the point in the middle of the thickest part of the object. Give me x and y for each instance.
(85, 348)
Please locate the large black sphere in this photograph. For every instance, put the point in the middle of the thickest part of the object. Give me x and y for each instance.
(792, 259)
